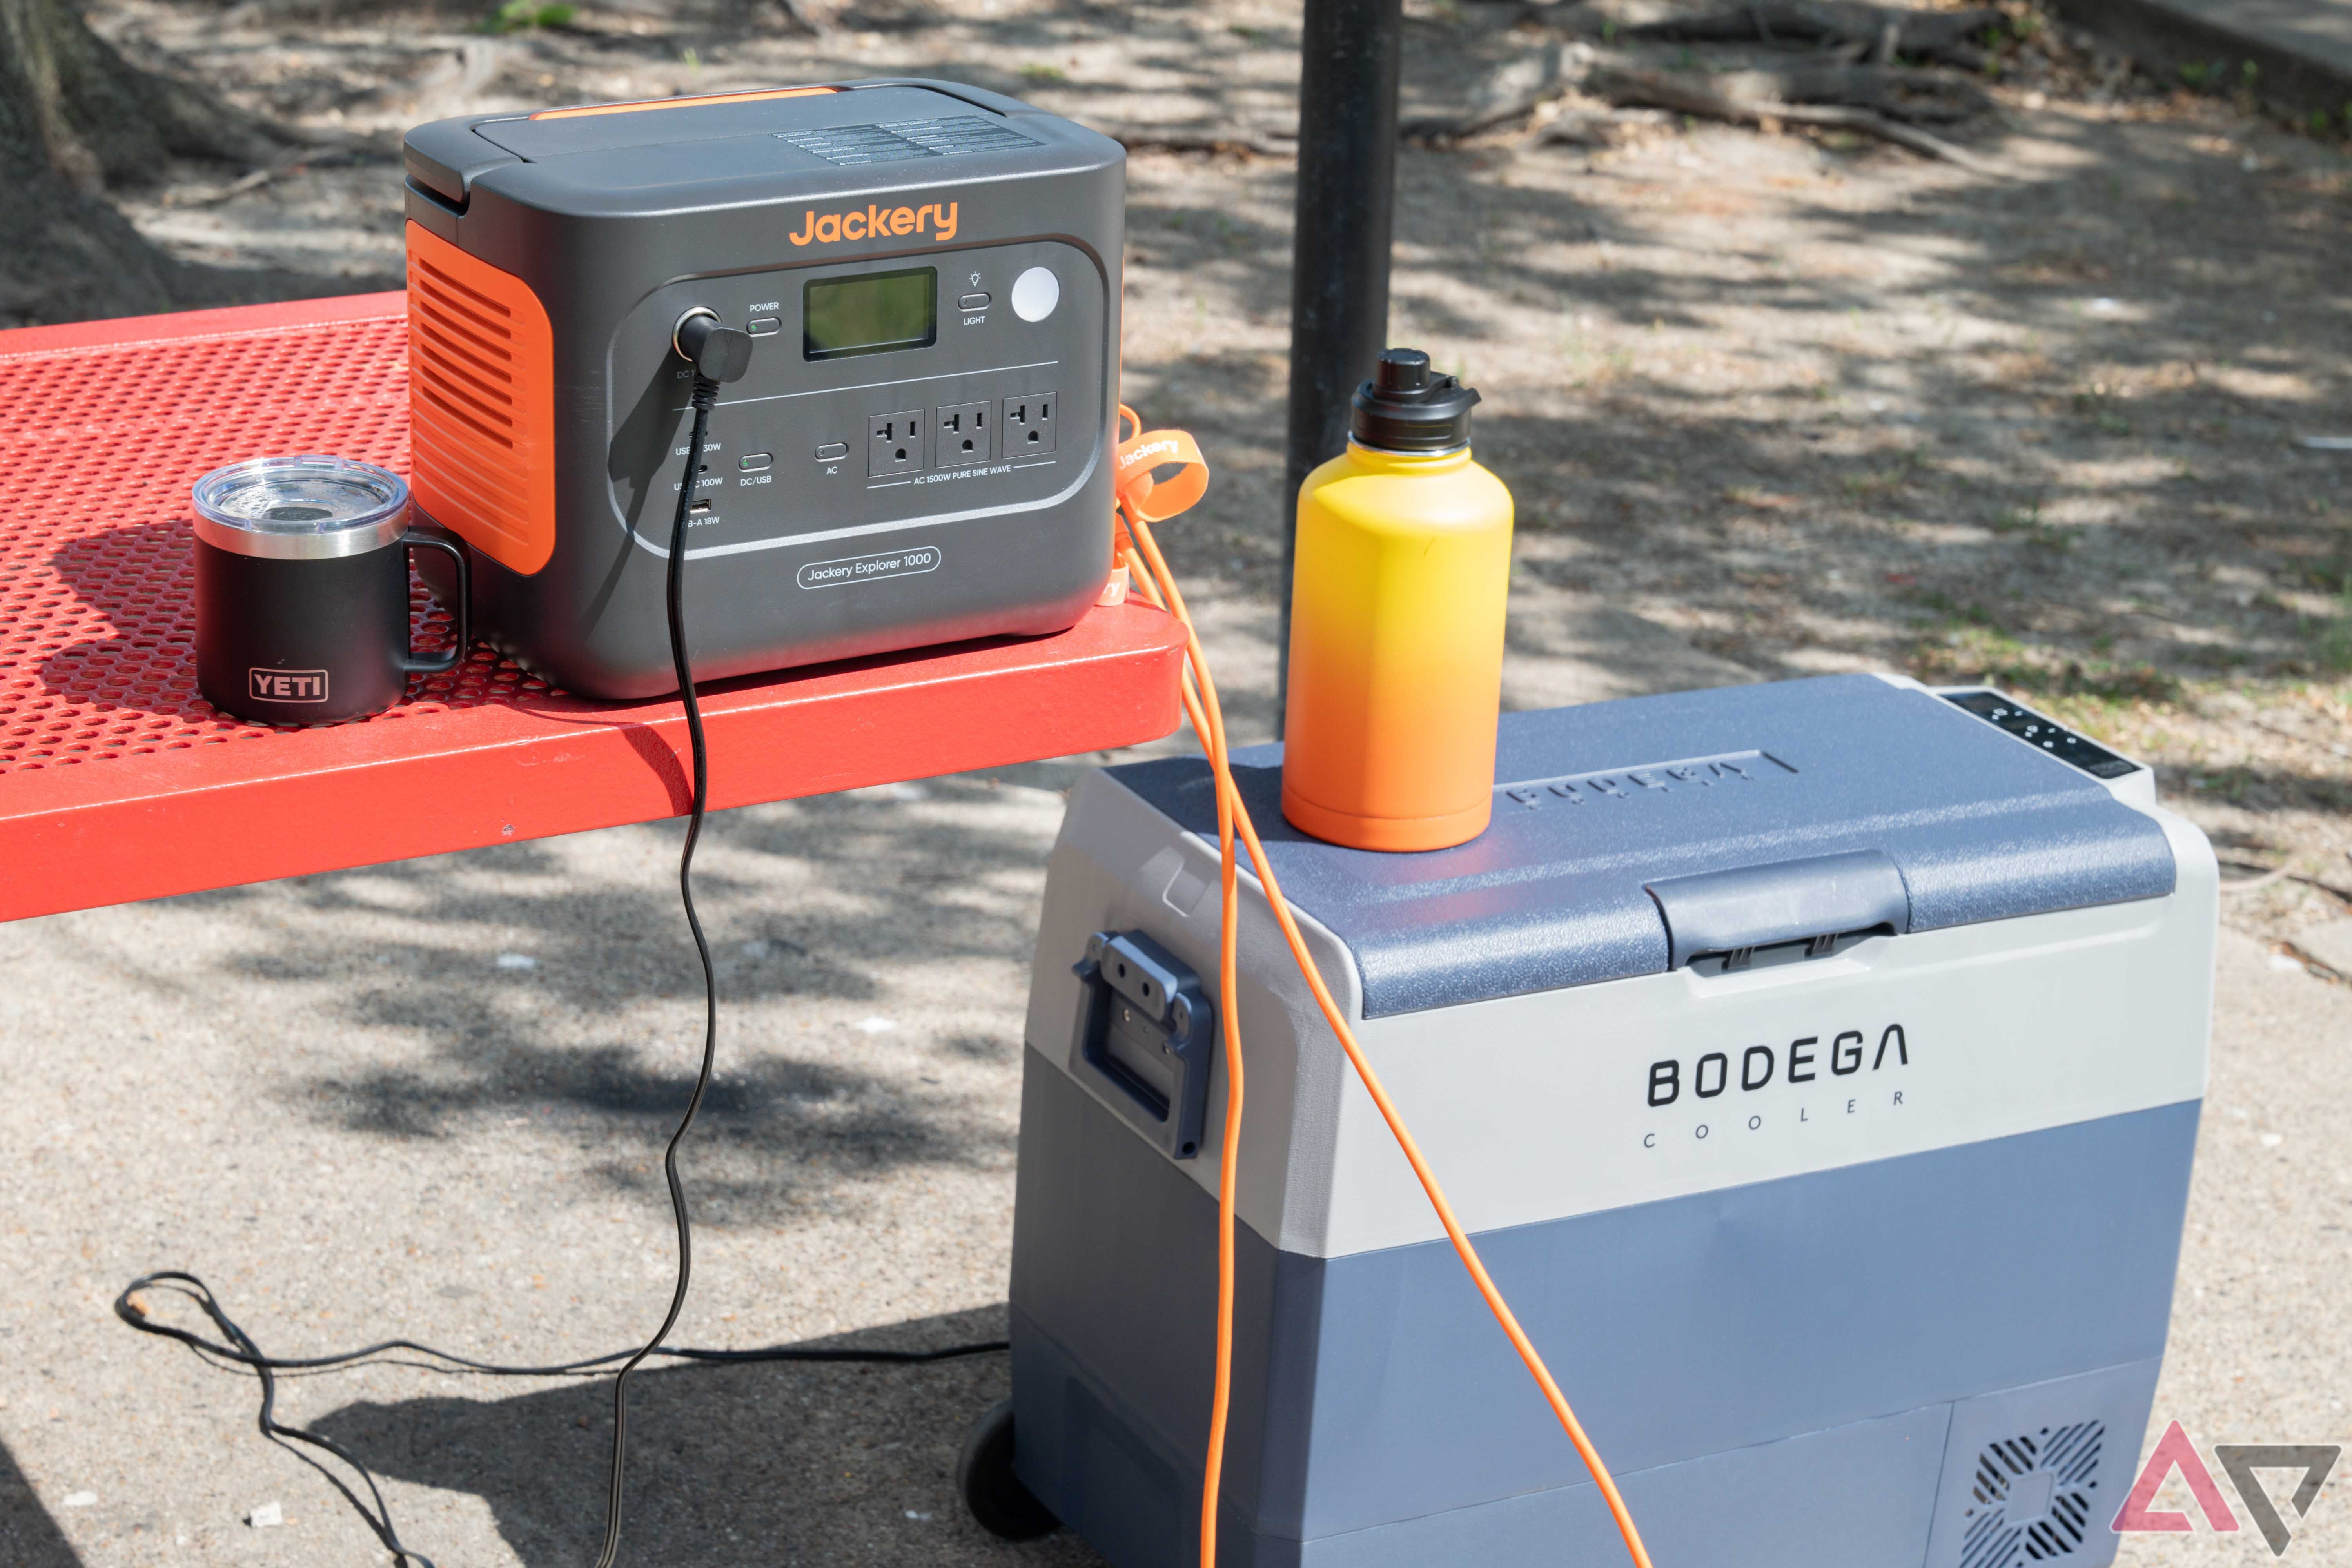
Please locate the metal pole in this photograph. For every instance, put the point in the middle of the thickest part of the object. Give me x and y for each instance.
(1339, 254)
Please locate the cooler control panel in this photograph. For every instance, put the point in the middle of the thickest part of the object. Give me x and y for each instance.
(2047, 734)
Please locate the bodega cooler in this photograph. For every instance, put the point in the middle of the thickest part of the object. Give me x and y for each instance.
(1817, 1066)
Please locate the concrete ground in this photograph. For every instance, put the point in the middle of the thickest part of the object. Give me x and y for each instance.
(428, 1100)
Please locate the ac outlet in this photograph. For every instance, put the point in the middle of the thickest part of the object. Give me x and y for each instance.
(894, 443)
(1029, 424)
(964, 433)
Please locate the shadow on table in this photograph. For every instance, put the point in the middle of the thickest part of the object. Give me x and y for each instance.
(29, 1537)
(767, 1463)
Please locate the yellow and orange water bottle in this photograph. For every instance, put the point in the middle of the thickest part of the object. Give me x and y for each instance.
(1403, 568)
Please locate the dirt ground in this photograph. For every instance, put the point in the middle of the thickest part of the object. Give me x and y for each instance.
(1770, 403)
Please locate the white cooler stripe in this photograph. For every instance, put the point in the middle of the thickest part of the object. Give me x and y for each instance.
(2008, 1027)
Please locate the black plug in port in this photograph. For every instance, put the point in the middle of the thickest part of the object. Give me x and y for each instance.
(1029, 424)
(894, 444)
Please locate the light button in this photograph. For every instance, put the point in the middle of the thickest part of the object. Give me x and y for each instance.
(833, 451)
(1035, 293)
(761, 327)
(973, 303)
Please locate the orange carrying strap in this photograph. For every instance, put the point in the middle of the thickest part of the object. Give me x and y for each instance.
(1142, 501)
(1138, 491)
(1140, 458)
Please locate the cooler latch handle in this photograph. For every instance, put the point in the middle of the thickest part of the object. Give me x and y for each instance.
(1145, 1031)
(1754, 916)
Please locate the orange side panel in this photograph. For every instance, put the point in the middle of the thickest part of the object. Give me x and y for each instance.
(481, 403)
(588, 109)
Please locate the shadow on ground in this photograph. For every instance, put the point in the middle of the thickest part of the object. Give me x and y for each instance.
(29, 1537)
(2040, 426)
(810, 905)
(770, 1464)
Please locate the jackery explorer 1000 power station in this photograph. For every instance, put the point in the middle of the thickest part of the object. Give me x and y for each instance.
(919, 451)
(1818, 1066)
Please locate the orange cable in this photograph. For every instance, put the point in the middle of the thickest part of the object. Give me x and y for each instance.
(1211, 730)
(1232, 812)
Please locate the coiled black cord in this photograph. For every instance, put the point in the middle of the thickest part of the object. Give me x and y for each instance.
(242, 1350)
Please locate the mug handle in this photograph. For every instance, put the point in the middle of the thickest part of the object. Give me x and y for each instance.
(445, 660)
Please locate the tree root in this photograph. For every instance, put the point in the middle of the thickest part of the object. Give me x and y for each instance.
(1195, 138)
(1508, 96)
(1931, 96)
(102, 121)
(1880, 31)
(1685, 95)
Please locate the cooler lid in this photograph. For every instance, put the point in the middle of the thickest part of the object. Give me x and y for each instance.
(1720, 826)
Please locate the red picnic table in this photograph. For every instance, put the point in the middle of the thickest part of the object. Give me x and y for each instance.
(119, 782)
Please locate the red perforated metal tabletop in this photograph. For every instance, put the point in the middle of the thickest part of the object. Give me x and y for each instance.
(119, 782)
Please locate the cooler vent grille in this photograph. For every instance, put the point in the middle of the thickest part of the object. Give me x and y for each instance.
(2030, 1498)
(953, 137)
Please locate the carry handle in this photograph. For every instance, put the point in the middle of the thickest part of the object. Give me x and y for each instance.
(447, 659)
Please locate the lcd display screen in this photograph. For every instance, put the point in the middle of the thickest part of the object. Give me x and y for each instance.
(877, 313)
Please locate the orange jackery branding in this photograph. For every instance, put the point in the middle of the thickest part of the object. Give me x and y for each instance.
(876, 222)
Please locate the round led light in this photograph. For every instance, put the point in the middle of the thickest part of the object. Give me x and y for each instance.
(1035, 293)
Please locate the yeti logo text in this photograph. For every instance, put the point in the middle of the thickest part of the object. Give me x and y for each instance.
(877, 223)
(288, 684)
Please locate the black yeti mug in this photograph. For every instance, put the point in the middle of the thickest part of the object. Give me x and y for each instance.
(302, 590)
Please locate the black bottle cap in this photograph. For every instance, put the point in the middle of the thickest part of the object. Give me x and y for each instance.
(1404, 408)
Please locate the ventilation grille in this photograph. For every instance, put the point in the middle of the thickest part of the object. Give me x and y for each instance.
(955, 137)
(479, 387)
(2030, 1499)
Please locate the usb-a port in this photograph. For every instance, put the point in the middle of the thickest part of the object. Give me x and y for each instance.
(698, 509)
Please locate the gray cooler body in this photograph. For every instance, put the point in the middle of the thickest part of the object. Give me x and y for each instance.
(1817, 1066)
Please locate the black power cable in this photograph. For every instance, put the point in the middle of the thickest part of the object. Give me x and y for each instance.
(241, 1350)
(705, 399)
(717, 354)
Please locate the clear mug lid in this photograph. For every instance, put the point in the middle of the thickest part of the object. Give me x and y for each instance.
(301, 508)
